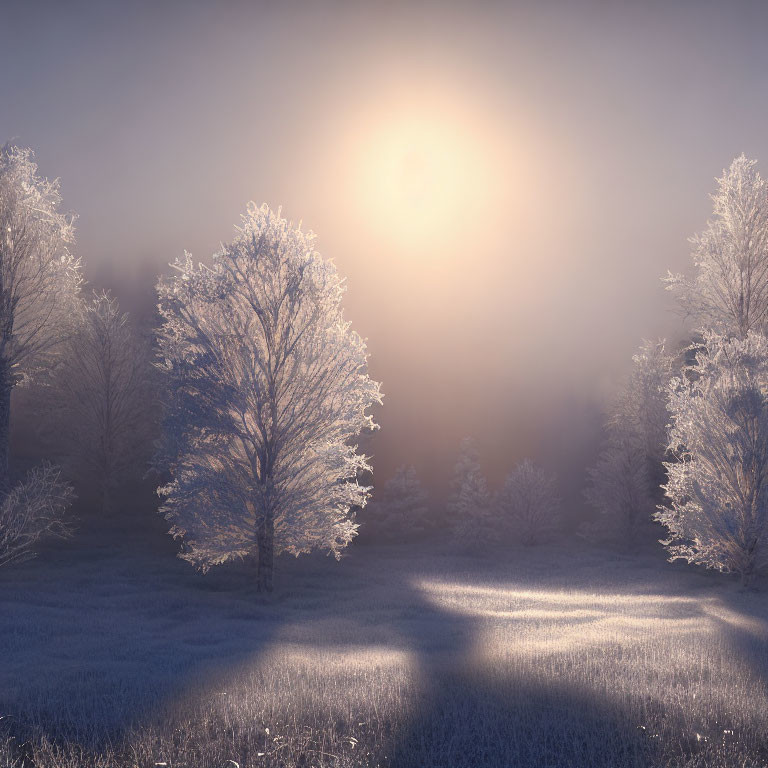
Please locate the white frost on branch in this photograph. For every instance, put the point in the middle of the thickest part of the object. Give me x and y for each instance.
(33, 510)
(267, 390)
(718, 484)
(729, 292)
(39, 276)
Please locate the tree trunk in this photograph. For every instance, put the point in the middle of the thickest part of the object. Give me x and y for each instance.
(6, 385)
(266, 543)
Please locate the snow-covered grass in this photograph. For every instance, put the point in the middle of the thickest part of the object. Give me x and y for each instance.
(126, 657)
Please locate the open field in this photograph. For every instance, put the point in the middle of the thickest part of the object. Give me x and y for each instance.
(127, 657)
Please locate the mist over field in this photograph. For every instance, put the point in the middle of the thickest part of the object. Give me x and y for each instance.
(584, 140)
(383, 384)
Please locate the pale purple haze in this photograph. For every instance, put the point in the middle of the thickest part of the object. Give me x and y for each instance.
(590, 137)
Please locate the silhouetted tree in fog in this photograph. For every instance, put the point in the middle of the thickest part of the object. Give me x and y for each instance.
(400, 510)
(470, 505)
(644, 403)
(528, 504)
(99, 400)
(267, 386)
(467, 462)
(620, 488)
(625, 484)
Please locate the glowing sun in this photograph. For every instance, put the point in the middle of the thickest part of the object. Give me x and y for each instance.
(419, 179)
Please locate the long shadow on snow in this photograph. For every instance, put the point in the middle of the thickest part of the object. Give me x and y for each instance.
(154, 627)
(473, 714)
(95, 636)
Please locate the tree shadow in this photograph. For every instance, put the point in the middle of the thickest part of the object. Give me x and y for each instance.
(96, 633)
(476, 712)
(99, 637)
(503, 710)
(742, 616)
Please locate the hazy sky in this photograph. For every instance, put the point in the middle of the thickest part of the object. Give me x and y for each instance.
(502, 184)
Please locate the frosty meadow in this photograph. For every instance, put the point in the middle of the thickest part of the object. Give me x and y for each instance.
(475, 478)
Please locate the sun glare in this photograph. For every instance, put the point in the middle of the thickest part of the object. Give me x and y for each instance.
(420, 177)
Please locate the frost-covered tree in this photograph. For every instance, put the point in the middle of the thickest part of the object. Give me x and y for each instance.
(267, 390)
(99, 401)
(468, 461)
(471, 504)
(718, 484)
(39, 278)
(528, 503)
(643, 405)
(33, 510)
(619, 487)
(625, 484)
(729, 292)
(401, 510)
